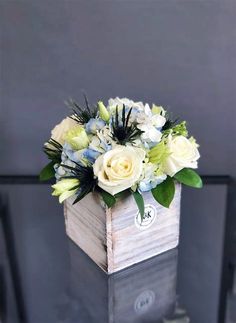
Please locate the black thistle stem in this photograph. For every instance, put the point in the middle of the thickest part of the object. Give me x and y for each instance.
(82, 114)
(122, 132)
(53, 150)
(84, 174)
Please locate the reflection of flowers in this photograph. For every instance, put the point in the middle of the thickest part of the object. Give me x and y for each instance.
(179, 316)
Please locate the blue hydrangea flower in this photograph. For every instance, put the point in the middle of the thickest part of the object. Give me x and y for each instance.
(68, 152)
(94, 124)
(150, 179)
(91, 155)
(105, 146)
(145, 186)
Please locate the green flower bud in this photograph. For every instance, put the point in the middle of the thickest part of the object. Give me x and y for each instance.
(64, 188)
(158, 110)
(103, 112)
(77, 138)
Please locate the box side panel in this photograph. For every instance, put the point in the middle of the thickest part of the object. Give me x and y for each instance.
(109, 241)
(86, 226)
(131, 242)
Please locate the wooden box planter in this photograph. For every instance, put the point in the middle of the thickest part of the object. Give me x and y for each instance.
(116, 238)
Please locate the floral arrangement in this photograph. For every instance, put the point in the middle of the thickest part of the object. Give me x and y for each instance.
(123, 148)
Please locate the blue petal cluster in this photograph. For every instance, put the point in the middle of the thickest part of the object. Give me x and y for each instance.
(94, 124)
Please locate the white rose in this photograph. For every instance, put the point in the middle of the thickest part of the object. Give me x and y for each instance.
(119, 169)
(58, 133)
(183, 153)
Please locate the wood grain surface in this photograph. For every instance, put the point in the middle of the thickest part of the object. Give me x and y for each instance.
(112, 238)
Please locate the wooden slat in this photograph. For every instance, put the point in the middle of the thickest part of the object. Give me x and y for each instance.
(110, 236)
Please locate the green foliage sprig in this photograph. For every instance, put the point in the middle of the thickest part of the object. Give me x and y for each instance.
(179, 129)
(164, 192)
(189, 177)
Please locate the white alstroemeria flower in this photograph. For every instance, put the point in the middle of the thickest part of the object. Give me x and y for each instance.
(146, 117)
(150, 133)
(150, 125)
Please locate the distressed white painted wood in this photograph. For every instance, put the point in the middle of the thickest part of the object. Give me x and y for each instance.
(113, 238)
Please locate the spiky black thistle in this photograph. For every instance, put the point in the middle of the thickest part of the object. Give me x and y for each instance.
(85, 176)
(170, 123)
(53, 150)
(122, 131)
(82, 114)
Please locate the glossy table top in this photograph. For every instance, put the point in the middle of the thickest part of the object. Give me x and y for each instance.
(46, 278)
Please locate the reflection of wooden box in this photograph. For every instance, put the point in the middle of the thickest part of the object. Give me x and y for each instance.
(145, 292)
(116, 238)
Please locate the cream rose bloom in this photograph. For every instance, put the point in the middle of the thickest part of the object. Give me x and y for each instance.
(58, 133)
(183, 153)
(119, 168)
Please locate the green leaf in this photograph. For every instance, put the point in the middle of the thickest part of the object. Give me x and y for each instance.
(164, 193)
(108, 199)
(47, 172)
(140, 203)
(189, 177)
(122, 194)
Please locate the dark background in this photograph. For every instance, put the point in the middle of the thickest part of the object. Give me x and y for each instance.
(178, 53)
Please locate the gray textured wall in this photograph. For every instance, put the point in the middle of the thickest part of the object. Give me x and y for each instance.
(179, 53)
